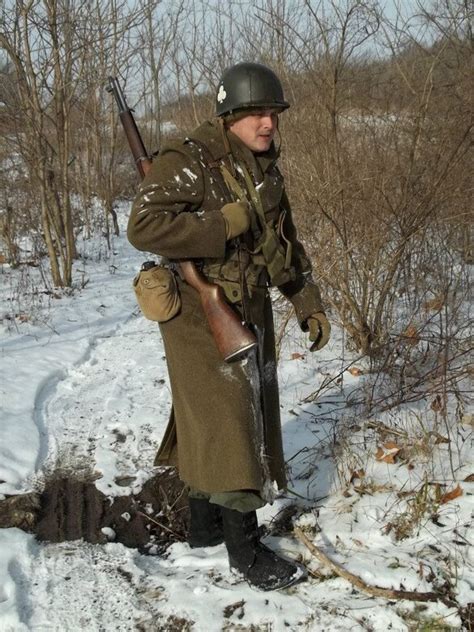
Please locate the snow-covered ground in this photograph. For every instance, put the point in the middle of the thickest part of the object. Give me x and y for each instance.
(80, 370)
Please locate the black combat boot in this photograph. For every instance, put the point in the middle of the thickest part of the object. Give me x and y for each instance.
(205, 528)
(259, 565)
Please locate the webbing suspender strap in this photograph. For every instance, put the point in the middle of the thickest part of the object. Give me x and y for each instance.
(233, 184)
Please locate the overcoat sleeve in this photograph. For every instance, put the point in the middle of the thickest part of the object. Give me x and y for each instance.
(303, 292)
(166, 218)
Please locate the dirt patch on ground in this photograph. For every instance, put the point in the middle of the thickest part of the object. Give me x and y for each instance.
(71, 509)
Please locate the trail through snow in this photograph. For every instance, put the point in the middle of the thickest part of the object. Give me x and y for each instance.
(107, 414)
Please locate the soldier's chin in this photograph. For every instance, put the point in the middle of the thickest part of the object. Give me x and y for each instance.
(264, 143)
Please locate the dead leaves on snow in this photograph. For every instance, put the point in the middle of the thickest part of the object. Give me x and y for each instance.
(357, 475)
(454, 493)
(297, 356)
(387, 452)
(355, 371)
(237, 607)
(392, 452)
(438, 497)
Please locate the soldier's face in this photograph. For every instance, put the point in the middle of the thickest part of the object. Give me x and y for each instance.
(256, 130)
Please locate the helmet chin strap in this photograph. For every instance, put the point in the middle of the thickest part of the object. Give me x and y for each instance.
(278, 133)
(227, 145)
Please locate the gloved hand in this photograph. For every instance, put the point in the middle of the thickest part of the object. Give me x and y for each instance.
(319, 330)
(236, 217)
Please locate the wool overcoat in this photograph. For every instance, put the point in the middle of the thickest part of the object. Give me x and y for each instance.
(224, 432)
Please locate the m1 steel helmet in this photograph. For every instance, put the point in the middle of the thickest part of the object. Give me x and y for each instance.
(249, 86)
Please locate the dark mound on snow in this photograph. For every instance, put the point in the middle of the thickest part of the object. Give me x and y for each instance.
(71, 509)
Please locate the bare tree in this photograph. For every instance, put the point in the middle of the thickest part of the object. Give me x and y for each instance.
(40, 41)
(109, 50)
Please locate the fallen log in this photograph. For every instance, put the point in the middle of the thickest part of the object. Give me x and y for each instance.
(376, 591)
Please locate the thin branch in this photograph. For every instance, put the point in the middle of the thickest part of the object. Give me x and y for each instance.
(375, 591)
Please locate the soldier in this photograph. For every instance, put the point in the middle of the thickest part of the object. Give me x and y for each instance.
(218, 198)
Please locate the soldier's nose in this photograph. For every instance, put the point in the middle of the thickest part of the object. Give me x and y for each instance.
(268, 123)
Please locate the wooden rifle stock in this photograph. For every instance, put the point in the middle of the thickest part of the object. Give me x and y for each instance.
(233, 339)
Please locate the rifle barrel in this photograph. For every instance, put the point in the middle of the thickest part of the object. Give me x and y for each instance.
(116, 90)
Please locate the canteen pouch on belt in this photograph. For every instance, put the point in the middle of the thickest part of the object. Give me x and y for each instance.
(157, 292)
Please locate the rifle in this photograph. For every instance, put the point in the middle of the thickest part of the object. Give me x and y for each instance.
(233, 339)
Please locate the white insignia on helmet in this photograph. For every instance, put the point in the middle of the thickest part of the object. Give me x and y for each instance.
(221, 95)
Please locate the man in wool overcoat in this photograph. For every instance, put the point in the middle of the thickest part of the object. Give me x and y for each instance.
(218, 198)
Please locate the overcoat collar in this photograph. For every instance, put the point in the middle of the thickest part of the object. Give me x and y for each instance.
(211, 135)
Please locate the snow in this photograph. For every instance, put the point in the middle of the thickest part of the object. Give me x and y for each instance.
(191, 175)
(84, 386)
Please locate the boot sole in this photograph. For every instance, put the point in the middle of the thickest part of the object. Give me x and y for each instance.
(298, 576)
